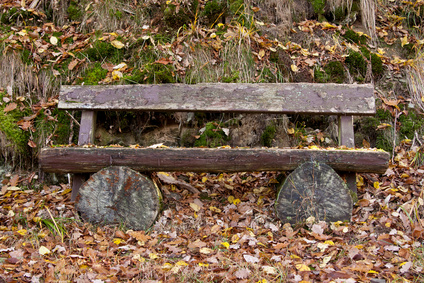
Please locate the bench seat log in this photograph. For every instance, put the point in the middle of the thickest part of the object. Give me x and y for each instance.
(93, 159)
(306, 98)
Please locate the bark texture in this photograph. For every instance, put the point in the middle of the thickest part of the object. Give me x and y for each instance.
(311, 98)
(314, 189)
(91, 159)
(119, 195)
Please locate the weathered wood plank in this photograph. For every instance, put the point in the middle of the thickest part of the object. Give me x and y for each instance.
(84, 160)
(346, 133)
(255, 98)
(87, 127)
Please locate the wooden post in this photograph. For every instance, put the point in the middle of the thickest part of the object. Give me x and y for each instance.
(87, 127)
(86, 136)
(347, 138)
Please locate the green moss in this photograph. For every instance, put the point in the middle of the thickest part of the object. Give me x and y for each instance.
(95, 74)
(332, 72)
(8, 125)
(15, 16)
(356, 64)
(102, 50)
(233, 78)
(212, 136)
(318, 6)
(268, 135)
(410, 124)
(75, 13)
(352, 36)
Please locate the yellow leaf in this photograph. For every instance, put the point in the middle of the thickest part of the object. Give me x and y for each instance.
(293, 256)
(214, 209)
(204, 179)
(294, 68)
(153, 256)
(195, 207)
(235, 238)
(290, 131)
(359, 181)
(422, 98)
(181, 263)
(226, 245)
(302, 267)
(220, 25)
(236, 201)
(329, 242)
(22, 232)
(327, 25)
(261, 54)
(116, 75)
(167, 266)
(203, 264)
(230, 199)
(373, 272)
(404, 40)
(117, 44)
(117, 241)
(376, 185)
(305, 52)
(43, 250)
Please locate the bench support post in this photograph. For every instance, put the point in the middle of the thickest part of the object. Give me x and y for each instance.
(86, 136)
(347, 138)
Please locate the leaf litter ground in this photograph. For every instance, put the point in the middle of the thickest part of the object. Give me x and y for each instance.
(226, 233)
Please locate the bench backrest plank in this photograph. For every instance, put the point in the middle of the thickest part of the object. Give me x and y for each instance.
(306, 98)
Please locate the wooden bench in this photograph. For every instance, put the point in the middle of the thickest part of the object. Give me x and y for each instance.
(312, 189)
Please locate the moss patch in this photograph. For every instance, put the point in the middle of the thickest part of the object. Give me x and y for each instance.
(268, 135)
(212, 136)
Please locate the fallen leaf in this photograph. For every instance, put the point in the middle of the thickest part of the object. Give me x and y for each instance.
(294, 68)
(302, 267)
(53, 40)
(251, 259)
(43, 250)
(195, 207)
(117, 44)
(72, 64)
(242, 273)
(32, 144)
(205, 250)
(10, 107)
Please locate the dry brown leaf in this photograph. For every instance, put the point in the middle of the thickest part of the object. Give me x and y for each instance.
(10, 107)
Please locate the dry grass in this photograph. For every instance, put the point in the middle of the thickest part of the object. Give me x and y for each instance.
(24, 81)
(368, 10)
(415, 79)
(235, 62)
(110, 16)
(278, 12)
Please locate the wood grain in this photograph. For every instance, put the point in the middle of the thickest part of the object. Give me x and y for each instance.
(313, 189)
(84, 160)
(279, 98)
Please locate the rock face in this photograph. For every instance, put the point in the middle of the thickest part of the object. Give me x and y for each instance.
(119, 195)
(313, 189)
